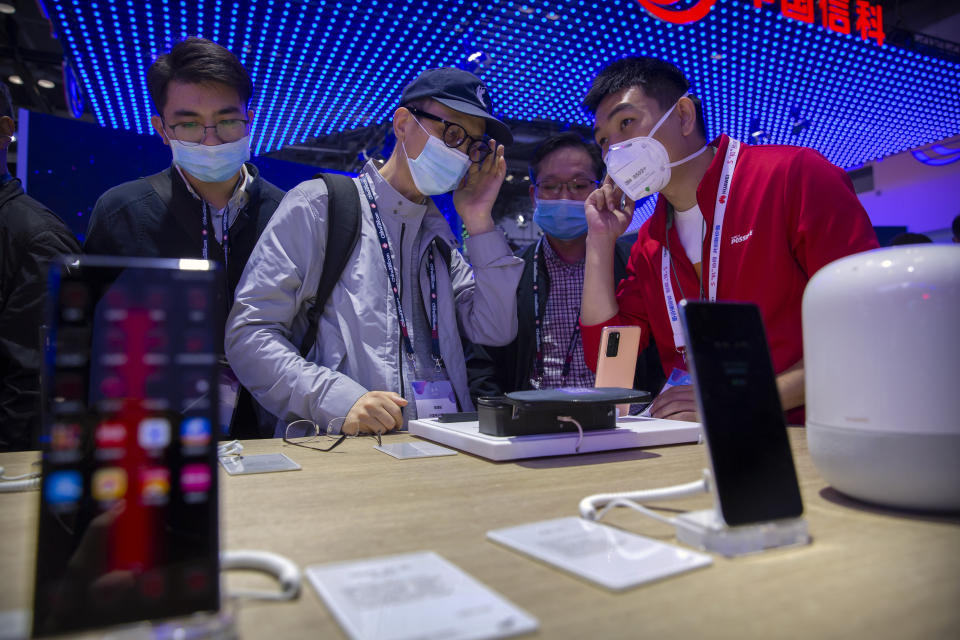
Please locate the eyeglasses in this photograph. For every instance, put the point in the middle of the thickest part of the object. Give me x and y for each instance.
(577, 187)
(306, 434)
(454, 136)
(228, 130)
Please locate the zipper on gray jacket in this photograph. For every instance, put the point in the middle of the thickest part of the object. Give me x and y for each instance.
(403, 387)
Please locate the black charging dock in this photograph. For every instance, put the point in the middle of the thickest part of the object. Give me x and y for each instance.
(539, 411)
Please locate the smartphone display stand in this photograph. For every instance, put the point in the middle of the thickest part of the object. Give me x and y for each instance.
(705, 530)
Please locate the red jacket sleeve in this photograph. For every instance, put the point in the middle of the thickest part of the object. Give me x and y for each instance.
(828, 219)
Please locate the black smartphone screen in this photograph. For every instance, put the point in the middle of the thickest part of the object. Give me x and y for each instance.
(128, 525)
(740, 411)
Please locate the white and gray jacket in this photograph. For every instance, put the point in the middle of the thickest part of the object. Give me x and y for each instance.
(358, 346)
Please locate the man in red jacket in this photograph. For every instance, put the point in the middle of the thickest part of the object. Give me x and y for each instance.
(732, 222)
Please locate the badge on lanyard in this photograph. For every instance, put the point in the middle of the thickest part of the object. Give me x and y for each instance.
(434, 398)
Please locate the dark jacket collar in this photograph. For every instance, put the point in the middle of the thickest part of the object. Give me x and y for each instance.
(186, 209)
(10, 190)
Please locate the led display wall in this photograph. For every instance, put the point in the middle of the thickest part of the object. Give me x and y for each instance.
(323, 66)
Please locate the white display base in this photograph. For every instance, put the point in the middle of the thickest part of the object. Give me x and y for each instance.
(631, 432)
(704, 530)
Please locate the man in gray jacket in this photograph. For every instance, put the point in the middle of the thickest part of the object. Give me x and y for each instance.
(390, 331)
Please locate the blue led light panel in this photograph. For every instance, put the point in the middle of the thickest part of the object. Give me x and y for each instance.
(320, 67)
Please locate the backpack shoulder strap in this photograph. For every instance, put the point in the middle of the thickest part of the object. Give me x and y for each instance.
(162, 184)
(444, 250)
(343, 232)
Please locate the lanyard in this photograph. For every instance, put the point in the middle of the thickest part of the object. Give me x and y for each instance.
(224, 229)
(723, 196)
(394, 287)
(538, 328)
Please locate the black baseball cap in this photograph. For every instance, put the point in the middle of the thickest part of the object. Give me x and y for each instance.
(461, 91)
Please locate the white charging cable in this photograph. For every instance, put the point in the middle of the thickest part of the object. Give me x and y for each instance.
(632, 499)
(23, 482)
(281, 568)
(579, 429)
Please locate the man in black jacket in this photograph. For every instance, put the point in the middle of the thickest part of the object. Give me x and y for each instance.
(210, 203)
(30, 237)
(548, 352)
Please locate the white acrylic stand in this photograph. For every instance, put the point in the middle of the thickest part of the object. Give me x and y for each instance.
(705, 530)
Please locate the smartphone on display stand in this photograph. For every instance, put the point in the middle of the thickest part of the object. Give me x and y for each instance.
(128, 518)
(743, 423)
(617, 361)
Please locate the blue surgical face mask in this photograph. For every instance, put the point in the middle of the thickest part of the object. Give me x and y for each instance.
(214, 163)
(438, 169)
(562, 219)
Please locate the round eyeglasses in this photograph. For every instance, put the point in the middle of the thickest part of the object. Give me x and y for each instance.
(579, 188)
(307, 434)
(194, 133)
(455, 136)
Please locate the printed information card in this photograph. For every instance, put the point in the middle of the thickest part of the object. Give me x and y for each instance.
(415, 595)
(610, 557)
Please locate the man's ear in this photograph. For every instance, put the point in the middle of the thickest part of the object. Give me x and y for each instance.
(7, 126)
(157, 123)
(688, 116)
(249, 119)
(533, 194)
(401, 118)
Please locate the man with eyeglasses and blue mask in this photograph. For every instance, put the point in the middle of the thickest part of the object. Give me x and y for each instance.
(387, 343)
(210, 203)
(548, 351)
(732, 222)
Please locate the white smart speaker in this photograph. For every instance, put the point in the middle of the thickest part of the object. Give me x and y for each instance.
(881, 348)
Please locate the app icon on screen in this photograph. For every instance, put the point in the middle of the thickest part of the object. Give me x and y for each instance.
(109, 483)
(65, 437)
(195, 432)
(196, 341)
(195, 478)
(196, 580)
(110, 435)
(155, 485)
(113, 386)
(153, 585)
(154, 433)
(63, 487)
(69, 388)
(73, 301)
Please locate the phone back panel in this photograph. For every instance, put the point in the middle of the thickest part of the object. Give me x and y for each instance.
(617, 361)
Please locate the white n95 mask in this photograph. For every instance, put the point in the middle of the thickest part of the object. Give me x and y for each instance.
(438, 169)
(641, 166)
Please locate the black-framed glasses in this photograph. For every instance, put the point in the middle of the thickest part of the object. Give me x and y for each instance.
(454, 136)
(307, 434)
(228, 130)
(578, 187)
